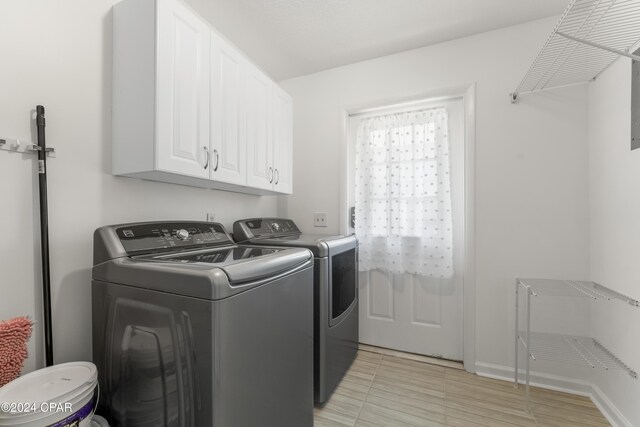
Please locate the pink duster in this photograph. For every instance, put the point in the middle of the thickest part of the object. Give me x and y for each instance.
(14, 335)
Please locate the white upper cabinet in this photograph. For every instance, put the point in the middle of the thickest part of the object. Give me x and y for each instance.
(269, 134)
(189, 108)
(228, 136)
(182, 91)
(282, 141)
(258, 130)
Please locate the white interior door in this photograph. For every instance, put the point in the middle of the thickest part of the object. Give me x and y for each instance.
(408, 312)
(182, 91)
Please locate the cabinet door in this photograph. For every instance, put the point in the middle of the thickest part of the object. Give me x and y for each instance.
(182, 91)
(228, 145)
(282, 140)
(258, 129)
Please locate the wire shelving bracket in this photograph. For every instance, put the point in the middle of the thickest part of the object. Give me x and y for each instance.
(589, 36)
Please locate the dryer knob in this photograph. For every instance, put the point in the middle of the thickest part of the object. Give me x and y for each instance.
(182, 234)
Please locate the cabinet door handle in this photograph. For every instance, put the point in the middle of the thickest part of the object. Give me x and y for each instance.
(277, 176)
(215, 168)
(270, 174)
(206, 153)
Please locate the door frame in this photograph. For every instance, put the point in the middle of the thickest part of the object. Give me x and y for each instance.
(468, 94)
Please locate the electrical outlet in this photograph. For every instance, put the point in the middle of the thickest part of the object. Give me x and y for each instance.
(320, 219)
(211, 217)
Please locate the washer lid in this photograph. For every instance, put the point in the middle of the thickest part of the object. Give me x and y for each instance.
(58, 383)
(210, 274)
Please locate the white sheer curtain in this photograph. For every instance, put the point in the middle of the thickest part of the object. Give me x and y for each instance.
(403, 193)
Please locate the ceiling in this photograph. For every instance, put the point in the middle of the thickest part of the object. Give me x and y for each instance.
(289, 38)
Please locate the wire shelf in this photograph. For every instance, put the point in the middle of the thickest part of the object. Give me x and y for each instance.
(561, 348)
(590, 35)
(574, 288)
(576, 350)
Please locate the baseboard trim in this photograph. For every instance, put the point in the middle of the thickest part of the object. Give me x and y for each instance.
(411, 356)
(608, 409)
(563, 384)
(538, 379)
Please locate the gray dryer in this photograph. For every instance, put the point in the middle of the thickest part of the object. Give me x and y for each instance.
(335, 293)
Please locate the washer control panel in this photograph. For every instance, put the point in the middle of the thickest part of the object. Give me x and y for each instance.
(151, 237)
(182, 234)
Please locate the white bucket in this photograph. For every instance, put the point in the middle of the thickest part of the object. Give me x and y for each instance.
(56, 396)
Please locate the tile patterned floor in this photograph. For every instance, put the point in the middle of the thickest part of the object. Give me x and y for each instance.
(381, 390)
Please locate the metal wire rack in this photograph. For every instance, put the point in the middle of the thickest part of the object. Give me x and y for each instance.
(574, 288)
(563, 348)
(575, 350)
(590, 35)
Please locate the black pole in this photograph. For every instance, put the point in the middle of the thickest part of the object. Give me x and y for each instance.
(44, 235)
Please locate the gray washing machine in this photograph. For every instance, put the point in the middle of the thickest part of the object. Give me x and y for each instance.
(335, 305)
(190, 329)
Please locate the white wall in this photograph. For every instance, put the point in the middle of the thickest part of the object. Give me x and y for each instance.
(531, 160)
(614, 175)
(58, 54)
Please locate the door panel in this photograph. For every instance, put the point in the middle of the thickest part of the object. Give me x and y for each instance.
(426, 301)
(379, 295)
(282, 140)
(182, 91)
(258, 129)
(405, 312)
(228, 145)
(413, 313)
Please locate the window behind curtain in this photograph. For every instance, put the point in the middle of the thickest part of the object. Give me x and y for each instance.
(403, 193)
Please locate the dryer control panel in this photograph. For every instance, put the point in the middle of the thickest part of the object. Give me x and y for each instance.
(262, 227)
(157, 236)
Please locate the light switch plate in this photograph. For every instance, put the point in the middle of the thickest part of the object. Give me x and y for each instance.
(320, 219)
